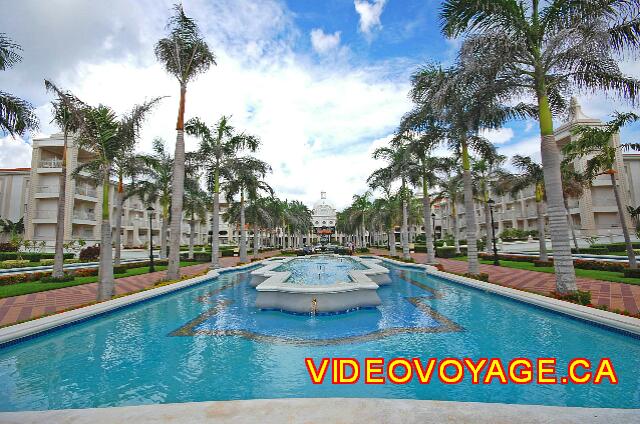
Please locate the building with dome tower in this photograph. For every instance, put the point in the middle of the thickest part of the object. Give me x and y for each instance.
(323, 219)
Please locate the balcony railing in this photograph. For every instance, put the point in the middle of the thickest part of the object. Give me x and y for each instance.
(40, 214)
(54, 189)
(85, 216)
(50, 163)
(86, 191)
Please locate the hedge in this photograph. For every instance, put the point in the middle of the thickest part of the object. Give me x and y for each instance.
(446, 252)
(631, 273)
(591, 250)
(32, 257)
(14, 263)
(578, 263)
(617, 246)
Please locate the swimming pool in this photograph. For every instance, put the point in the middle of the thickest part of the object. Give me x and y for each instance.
(209, 342)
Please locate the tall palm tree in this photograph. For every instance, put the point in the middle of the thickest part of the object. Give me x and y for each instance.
(246, 180)
(398, 159)
(543, 50)
(485, 170)
(195, 207)
(157, 186)
(531, 174)
(184, 54)
(451, 188)
(218, 144)
(360, 210)
(68, 113)
(16, 115)
(382, 179)
(573, 185)
(596, 144)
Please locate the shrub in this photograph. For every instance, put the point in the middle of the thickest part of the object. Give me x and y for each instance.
(16, 263)
(8, 247)
(510, 234)
(90, 254)
(362, 250)
(71, 261)
(47, 261)
(482, 276)
(197, 257)
(591, 250)
(421, 238)
(121, 269)
(63, 279)
(6, 280)
(631, 273)
(539, 263)
(446, 252)
(598, 265)
(580, 297)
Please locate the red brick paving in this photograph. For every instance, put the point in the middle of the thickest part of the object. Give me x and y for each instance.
(29, 306)
(613, 295)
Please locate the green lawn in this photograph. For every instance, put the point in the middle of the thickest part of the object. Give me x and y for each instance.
(37, 286)
(585, 273)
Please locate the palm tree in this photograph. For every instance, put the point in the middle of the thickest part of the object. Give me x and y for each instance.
(218, 144)
(485, 170)
(158, 186)
(360, 211)
(184, 54)
(382, 179)
(68, 115)
(573, 185)
(451, 189)
(195, 205)
(527, 48)
(531, 174)
(299, 217)
(398, 159)
(16, 115)
(596, 144)
(246, 179)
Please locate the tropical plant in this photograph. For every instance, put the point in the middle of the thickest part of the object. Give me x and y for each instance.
(16, 115)
(184, 54)
(597, 146)
(195, 206)
(635, 216)
(218, 144)
(246, 180)
(543, 49)
(68, 114)
(360, 209)
(485, 170)
(451, 188)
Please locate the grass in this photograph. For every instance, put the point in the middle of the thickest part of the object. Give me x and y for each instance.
(37, 286)
(613, 276)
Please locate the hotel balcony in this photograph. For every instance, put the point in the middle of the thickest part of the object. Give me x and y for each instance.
(46, 191)
(45, 216)
(84, 218)
(86, 192)
(50, 165)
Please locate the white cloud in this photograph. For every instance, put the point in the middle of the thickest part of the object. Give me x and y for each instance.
(497, 136)
(14, 152)
(527, 147)
(369, 12)
(323, 43)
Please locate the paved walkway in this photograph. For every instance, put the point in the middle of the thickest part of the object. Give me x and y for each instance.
(29, 306)
(613, 295)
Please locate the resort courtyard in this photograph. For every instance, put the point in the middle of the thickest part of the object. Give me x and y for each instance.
(319, 212)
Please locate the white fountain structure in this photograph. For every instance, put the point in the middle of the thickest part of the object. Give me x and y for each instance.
(360, 291)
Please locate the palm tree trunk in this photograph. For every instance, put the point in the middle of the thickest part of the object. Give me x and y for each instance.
(558, 224)
(243, 231)
(192, 235)
(58, 258)
(456, 232)
(428, 229)
(117, 239)
(215, 229)
(256, 240)
(392, 241)
(404, 234)
(470, 213)
(105, 278)
(633, 264)
(487, 225)
(541, 233)
(570, 220)
(177, 193)
(163, 237)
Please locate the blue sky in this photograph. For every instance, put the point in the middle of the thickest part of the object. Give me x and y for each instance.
(322, 83)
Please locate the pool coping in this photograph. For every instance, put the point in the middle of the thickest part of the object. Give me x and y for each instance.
(593, 315)
(16, 332)
(342, 410)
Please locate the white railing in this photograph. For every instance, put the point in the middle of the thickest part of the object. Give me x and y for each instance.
(50, 163)
(40, 214)
(86, 216)
(48, 189)
(86, 191)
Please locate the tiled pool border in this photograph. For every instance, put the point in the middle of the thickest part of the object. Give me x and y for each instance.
(17, 333)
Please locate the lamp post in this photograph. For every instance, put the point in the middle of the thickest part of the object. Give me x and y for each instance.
(152, 268)
(491, 202)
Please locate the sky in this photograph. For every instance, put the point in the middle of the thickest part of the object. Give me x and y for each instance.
(322, 83)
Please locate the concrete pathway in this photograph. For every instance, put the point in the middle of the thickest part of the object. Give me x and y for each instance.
(29, 306)
(613, 295)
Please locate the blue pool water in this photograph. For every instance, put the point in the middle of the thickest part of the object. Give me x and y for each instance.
(317, 270)
(209, 343)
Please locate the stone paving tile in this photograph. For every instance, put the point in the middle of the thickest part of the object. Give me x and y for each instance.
(21, 308)
(613, 295)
